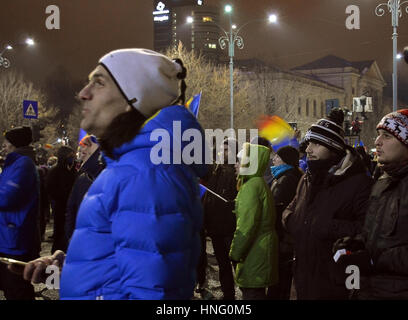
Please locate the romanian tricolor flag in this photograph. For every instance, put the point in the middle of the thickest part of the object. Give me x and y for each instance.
(203, 190)
(82, 134)
(193, 104)
(277, 131)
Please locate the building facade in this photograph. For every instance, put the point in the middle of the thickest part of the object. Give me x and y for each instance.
(357, 78)
(307, 93)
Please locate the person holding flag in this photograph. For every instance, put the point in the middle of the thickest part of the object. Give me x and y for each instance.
(219, 219)
(137, 230)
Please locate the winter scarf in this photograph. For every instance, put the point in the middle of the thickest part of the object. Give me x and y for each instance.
(277, 171)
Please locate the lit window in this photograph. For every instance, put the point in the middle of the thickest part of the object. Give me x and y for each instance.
(207, 19)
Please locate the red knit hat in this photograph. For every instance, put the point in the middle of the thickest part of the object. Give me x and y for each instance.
(396, 123)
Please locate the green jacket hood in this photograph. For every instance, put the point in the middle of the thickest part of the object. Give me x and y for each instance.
(254, 160)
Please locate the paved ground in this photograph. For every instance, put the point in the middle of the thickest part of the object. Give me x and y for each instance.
(213, 285)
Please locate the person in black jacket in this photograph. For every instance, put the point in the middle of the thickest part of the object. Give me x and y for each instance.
(59, 184)
(91, 166)
(219, 219)
(381, 250)
(286, 175)
(330, 203)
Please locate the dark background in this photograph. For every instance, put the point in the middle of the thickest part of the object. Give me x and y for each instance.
(307, 30)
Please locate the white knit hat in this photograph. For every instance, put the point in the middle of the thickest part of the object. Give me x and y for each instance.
(147, 79)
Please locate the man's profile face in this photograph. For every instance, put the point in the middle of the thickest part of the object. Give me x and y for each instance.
(277, 161)
(316, 151)
(101, 102)
(389, 148)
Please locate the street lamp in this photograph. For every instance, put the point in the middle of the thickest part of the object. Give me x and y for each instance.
(394, 7)
(232, 37)
(273, 18)
(29, 41)
(4, 62)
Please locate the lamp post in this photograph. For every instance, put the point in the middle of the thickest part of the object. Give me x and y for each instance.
(4, 62)
(394, 7)
(233, 38)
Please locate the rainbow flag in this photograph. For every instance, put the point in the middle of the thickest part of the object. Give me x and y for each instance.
(277, 131)
(193, 104)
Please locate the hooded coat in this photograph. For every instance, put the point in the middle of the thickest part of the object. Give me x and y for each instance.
(140, 220)
(255, 242)
(19, 205)
(336, 209)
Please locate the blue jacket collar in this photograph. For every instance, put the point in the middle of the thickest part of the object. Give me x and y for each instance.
(170, 118)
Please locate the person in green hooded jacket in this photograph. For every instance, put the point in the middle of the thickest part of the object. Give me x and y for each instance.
(254, 248)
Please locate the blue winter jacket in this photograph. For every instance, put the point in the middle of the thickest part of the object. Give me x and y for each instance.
(137, 229)
(19, 205)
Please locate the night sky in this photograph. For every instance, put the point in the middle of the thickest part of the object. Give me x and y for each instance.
(308, 30)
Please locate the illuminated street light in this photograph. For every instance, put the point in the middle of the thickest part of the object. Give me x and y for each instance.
(233, 38)
(4, 62)
(395, 8)
(228, 8)
(190, 19)
(399, 56)
(29, 42)
(273, 18)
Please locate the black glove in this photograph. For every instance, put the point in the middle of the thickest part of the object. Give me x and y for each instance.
(348, 243)
(360, 258)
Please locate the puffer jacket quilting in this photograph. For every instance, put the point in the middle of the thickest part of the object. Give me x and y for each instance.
(137, 230)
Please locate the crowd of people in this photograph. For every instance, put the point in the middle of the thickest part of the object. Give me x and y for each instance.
(128, 228)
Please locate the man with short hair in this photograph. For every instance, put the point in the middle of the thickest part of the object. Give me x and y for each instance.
(381, 251)
(19, 208)
(137, 229)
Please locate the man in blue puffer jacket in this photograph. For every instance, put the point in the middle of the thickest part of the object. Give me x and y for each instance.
(19, 205)
(137, 229)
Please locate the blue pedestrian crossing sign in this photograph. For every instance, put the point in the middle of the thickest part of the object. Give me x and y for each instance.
(30, 109)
